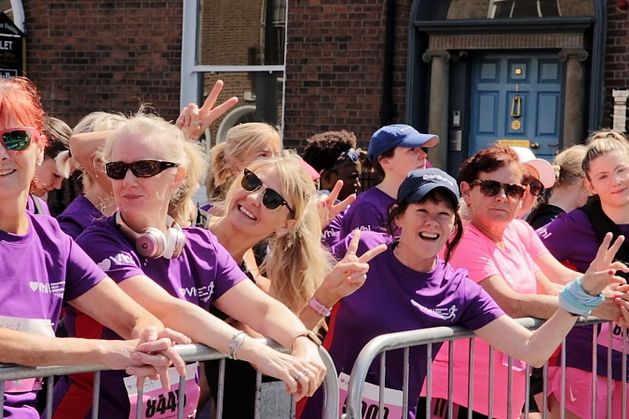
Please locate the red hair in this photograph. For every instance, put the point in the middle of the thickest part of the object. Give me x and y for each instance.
(19, 101)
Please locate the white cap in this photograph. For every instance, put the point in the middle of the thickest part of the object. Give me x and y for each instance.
(541, 166)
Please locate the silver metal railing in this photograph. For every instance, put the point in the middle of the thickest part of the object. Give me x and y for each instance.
(379, 345)
(190, 353)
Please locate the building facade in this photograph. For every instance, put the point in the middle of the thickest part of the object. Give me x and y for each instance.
(530, 72)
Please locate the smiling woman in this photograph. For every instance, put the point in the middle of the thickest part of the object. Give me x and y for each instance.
(43, 269)
(412, 287)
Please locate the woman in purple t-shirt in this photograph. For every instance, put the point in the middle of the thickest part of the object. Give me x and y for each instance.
(154, 171)
(410, 287)
(573, 238)
(42, 268)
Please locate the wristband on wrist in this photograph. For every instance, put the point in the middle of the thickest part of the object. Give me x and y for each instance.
(576, 301)
(235, 343)
(319, 307)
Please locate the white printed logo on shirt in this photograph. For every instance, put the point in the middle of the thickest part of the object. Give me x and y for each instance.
(446, 313)
(204, 293)
(56, 288)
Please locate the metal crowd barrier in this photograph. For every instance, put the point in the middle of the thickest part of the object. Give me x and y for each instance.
(190, 353)
(404, 340)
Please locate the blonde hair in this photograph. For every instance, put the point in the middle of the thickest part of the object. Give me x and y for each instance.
(224, 157)
(176, 149)
(297, 262)
(601, 145)
(606, 133)
(94, 122)
(568, 165)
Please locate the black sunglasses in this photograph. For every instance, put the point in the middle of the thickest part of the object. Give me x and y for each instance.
(17, 139)
(493, 188)
(271, 199)
(535, 185)
(117, 170)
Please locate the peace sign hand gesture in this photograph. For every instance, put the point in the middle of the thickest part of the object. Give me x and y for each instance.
(602, 270)
(349, 274)
(194, 120)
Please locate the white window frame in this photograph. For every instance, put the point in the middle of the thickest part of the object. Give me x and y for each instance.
(17, 9)
(191, 71)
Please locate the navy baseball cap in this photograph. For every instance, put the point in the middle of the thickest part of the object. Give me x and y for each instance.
(398, 135)
(420, 182)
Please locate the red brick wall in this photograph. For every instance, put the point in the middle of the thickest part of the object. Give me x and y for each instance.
(616, 56)
(334, 67)
(93, 55)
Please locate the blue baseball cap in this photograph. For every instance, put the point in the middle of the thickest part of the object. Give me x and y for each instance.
(420, 182)
(398, 135)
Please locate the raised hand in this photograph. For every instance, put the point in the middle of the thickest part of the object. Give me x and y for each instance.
(328, 208)
(602, 270)
(349, 274)
(194, 120)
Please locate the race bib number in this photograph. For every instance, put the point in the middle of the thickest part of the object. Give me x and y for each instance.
(42, 327)
(158, 403)
(617, 336)
(369, 402)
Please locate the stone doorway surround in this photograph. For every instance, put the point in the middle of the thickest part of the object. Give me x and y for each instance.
(570, 47)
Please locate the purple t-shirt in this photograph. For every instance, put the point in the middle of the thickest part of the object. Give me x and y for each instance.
(572, 240)
(411, 300)
(332, 232)
(77, 216)
(200, 275)
(40, 270)
(368, 212)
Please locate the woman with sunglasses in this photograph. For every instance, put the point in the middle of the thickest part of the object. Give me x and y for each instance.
(412, 287)
(42, 268)
(538, 176)
(572, 238)
(504, 255)
(180, 274)
(275, 199)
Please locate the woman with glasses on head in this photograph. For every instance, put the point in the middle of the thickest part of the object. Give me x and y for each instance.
(180, 274)
(504, 255)
(333, 154)
(572, 238)
(413, 287)
(42, 268)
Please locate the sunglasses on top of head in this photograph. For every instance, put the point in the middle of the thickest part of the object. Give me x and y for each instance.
(17, 139)
(492, 188)
(117, 170)
(271, 199)
(535, 185)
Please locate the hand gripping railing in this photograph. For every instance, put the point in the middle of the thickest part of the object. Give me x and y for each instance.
(190, 353)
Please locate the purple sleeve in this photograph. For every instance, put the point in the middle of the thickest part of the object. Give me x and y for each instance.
(480, 308)
(82, 273)
(332, 232)
(228, 273)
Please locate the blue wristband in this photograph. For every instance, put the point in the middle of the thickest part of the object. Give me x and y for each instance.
(575, 300)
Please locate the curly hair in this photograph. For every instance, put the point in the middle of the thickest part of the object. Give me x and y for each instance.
(324, 148)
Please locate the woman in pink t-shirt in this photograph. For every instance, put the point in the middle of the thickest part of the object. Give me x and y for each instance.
(504, 255)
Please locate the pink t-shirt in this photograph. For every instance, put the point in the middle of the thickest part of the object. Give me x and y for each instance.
(483, 258)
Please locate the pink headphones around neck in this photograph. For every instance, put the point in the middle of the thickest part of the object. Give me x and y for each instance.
(152, 243)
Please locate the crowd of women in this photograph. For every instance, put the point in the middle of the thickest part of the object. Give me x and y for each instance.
(285, 249)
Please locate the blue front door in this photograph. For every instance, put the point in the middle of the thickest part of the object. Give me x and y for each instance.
(517, 99)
